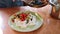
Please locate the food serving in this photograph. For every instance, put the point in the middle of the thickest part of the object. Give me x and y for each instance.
(25, 21)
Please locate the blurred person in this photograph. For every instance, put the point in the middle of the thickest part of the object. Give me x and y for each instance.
(10, 3)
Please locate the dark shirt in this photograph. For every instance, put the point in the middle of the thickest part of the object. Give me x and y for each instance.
(10, 3)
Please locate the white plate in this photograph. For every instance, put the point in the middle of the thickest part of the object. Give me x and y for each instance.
(29, 28)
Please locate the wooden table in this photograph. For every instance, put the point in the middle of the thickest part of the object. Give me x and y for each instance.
(50, 26)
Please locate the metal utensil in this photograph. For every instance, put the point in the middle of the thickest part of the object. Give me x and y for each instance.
(55, 8)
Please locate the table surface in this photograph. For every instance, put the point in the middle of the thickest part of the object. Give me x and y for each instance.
(50, 26)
